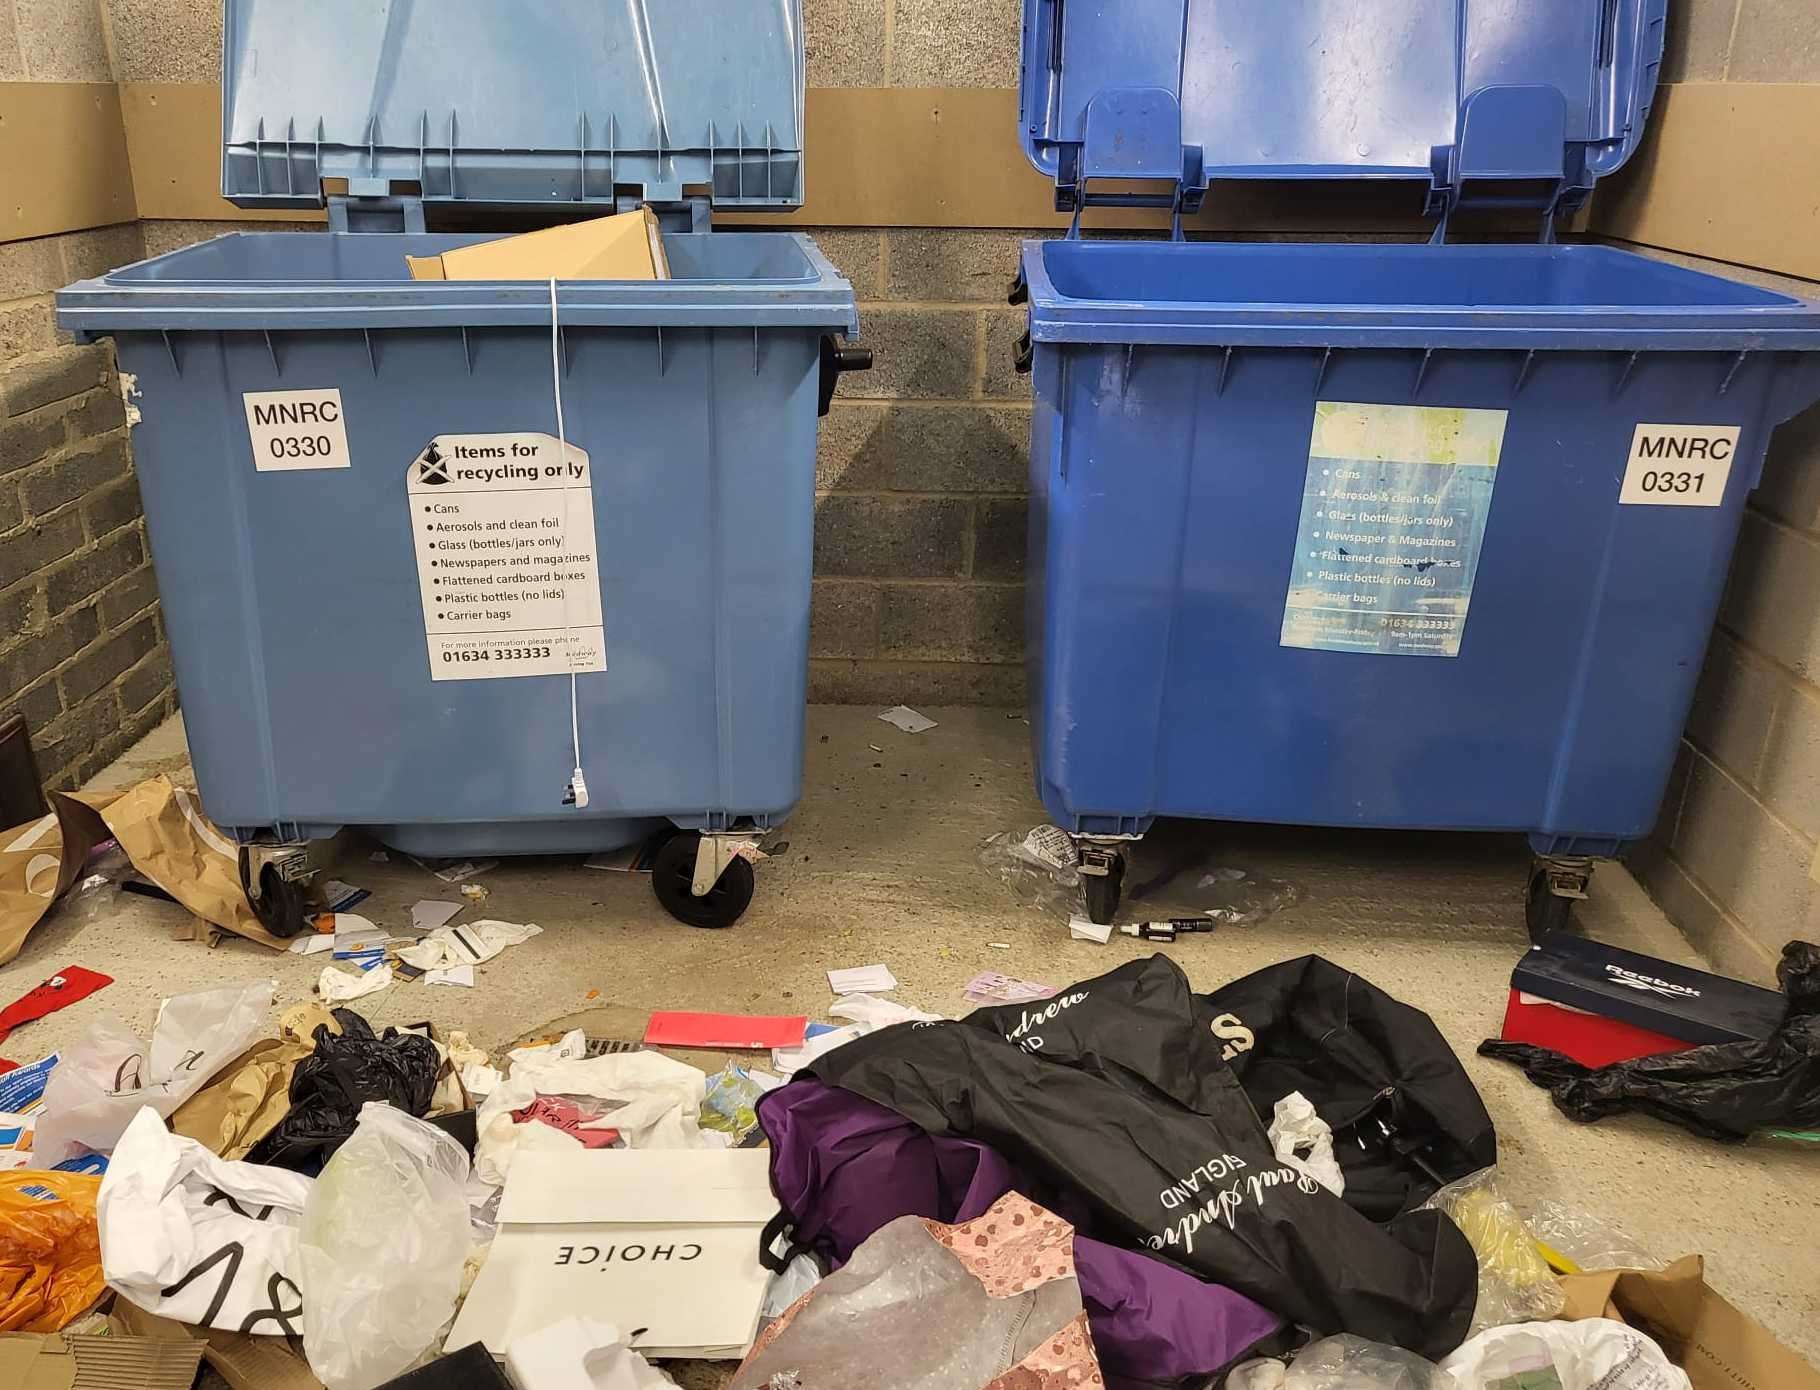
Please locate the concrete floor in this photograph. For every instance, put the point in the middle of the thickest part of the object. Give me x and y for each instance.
(882, 866)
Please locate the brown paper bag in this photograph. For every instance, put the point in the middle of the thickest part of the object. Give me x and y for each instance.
(38, 862)
(1719, 1347)
(245, 1101)
(162, 830)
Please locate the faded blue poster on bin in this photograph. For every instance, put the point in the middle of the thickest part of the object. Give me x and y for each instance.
(1393, 518)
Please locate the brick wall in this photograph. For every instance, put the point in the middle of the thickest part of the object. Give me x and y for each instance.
(1735, 850)
(82, 651)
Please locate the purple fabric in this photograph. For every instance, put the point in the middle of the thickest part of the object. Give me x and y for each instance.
(842, 1167)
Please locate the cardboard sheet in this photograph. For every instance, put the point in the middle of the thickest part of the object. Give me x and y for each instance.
(670, 1029)
(54, 1361)
(625, 246)
(667, 1239)
(1718, 1346)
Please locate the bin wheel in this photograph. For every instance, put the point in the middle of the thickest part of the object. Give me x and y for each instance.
(673, 878)
(1544, 910)
(1102, 883)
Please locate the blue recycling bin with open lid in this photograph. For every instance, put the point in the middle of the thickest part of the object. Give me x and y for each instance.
(1361, 534)
(399, 595)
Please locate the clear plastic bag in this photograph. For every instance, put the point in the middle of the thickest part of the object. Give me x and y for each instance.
(1593, 1354)
(729, 1106)
(1343, 1363)
(109, 1072)
(384, 1236)
(1584, 1241)
(1040, 867)
(1515, 1282)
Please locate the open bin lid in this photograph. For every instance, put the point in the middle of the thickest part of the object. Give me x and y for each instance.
(493, 105)
(1516, 102)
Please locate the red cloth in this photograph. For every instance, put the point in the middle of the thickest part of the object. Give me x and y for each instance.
(59, 992)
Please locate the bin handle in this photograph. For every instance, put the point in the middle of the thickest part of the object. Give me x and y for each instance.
(838, 357)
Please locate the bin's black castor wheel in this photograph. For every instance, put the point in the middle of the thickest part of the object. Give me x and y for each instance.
(673, 878)
(1555, 885)
(1102, 881)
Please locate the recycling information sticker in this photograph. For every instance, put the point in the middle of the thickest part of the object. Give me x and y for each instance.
(503, 526)
(1394, 507)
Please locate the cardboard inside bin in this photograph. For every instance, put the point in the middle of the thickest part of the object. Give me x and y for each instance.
(1718, 1346)
(625, 246)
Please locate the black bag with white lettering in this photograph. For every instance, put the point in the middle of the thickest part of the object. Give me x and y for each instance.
(1406, 1117)
(1115, 1091)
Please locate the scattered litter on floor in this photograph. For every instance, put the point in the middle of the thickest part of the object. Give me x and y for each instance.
(108, 1074)
(669, 1241)
(461, 975)
(476, 893)
(455, 870)
(432, 913)
(68, 986)
(1083, 930)
(341, 897)
(377, 1294)
(990, 987)
(47, 1250)
(336, 986)
(673, 1029)
(1725, 1091)
(999, 1293)
(862, 979)
(470, 943)
(312, 944)
(169, 1212)
(907, 719)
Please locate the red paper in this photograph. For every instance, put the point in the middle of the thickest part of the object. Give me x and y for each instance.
(58, 992)
(724, 1030)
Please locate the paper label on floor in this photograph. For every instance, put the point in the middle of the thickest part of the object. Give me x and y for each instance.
(503, 527)
(1678, 465)
(1394, 507)
(296, 429)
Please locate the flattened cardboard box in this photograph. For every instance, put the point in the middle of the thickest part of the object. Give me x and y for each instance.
(626, 246)
(1718, 1346)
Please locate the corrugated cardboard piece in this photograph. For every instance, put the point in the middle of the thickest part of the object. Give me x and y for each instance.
(245, 1362)
(626, 246)
(53, 1361)
(1719, 1347)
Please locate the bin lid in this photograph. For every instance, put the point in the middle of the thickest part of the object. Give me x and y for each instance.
(1518, 102)
(497, 104)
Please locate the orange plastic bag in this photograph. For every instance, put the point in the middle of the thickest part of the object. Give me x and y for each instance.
(50, 1249)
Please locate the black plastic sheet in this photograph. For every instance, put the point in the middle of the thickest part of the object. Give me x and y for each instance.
(344, 1072)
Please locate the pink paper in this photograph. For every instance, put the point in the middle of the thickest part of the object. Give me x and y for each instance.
(668, 1029)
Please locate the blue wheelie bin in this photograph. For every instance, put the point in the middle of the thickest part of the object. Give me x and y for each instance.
(1356, 534)
(403, 592)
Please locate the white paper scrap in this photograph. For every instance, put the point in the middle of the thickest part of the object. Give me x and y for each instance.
(862, 979)
(337, 986)
(1082, 930)
(432, 913)
(454, 975)
(907, 719)
(313, 943)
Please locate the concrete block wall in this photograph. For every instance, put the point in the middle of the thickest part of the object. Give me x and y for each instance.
(1735, 853)
(82, 649)
(920, 478)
